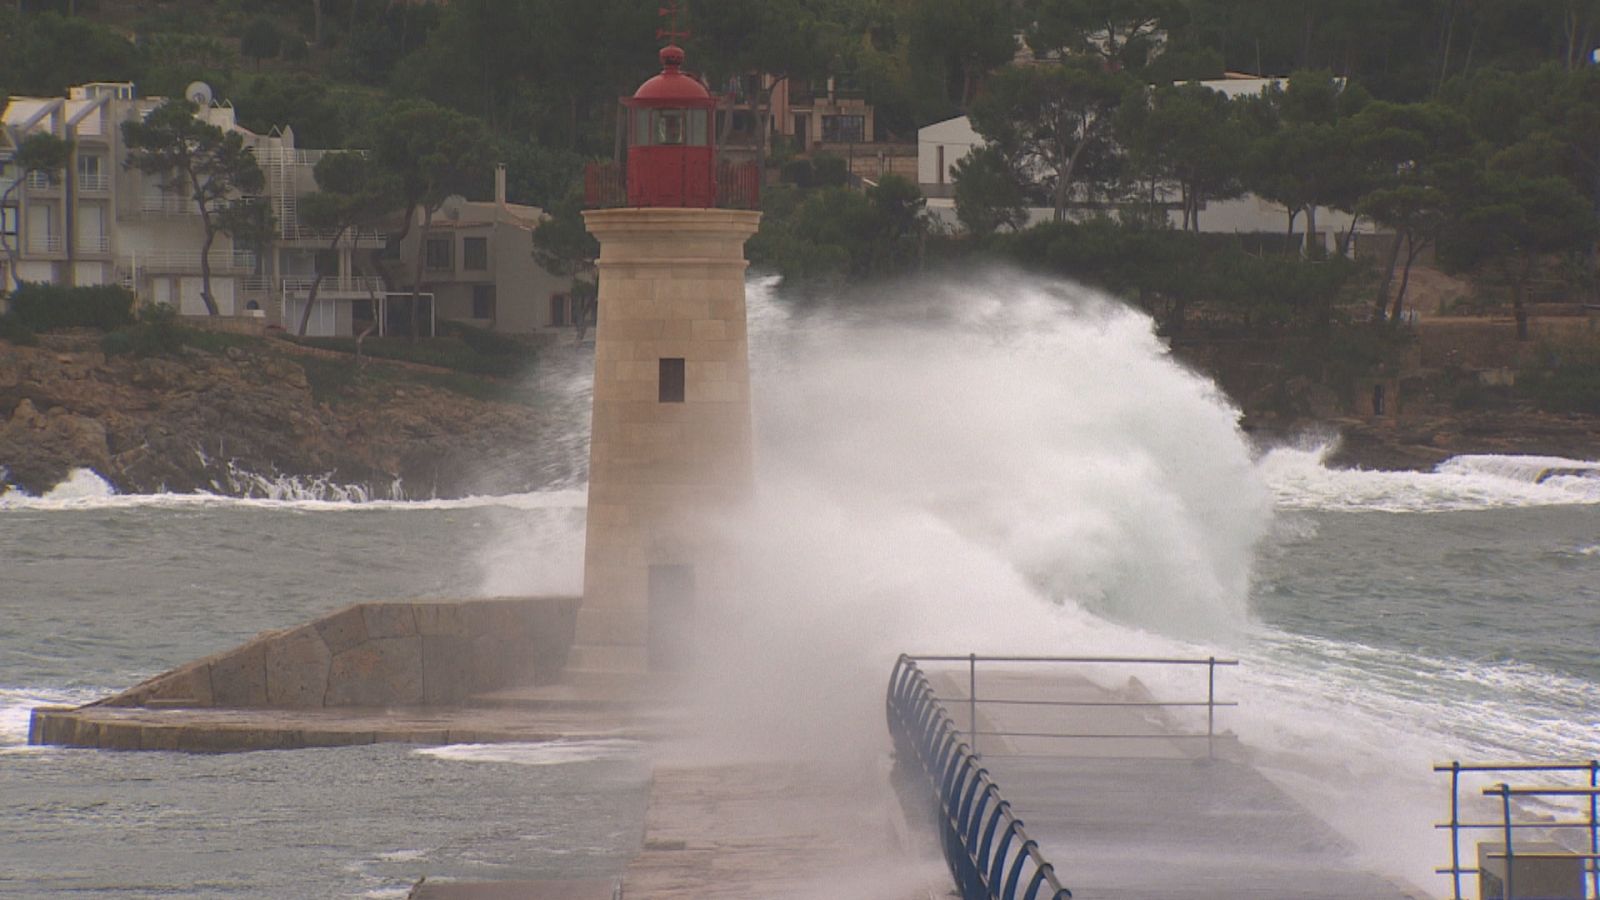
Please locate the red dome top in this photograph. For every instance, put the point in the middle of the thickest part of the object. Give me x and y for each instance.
(672, 87)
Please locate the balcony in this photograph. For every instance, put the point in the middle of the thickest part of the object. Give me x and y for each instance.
(93, 243)
(40, 181)
(44, 243)
(360, 238)
(222, 261)
(94, 184)
(364, 285)
(166, 205)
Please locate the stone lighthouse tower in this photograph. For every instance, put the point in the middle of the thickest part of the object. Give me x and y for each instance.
(670, 454)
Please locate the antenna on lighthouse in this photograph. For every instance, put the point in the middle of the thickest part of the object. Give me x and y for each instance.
(672, 33)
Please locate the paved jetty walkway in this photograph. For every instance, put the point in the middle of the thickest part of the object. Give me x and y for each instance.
(780, 830)
(1150, 817)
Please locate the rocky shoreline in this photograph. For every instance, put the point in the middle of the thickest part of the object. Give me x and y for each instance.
(246, 420)
(242, 420)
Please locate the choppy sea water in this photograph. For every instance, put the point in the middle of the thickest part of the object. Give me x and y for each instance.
(1385, 621)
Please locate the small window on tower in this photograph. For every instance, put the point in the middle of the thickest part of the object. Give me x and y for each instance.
(671, 380)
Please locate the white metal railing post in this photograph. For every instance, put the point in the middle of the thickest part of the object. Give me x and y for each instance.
(1594, 825)
(1455, 826)
(1211, 707)
(1510, 889)
(972, 700)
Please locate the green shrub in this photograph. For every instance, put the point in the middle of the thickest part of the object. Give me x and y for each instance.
(43, 307)
(1568, 388)
(799, 173)
(484, 341)
(157, 333)
(829, 171)
(443, 352)
(12, 329)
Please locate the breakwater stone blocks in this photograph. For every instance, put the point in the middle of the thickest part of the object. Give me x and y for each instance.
(336, 680)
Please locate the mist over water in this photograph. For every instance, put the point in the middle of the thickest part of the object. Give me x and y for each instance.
(1002, 465)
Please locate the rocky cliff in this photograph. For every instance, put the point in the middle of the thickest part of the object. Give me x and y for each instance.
(238, 420)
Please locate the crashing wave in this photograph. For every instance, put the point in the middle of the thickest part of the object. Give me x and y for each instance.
(1300, 479)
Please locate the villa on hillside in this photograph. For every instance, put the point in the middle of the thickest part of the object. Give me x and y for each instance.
(943, 144)
(478, 264)
(825, 116)
(105, 223)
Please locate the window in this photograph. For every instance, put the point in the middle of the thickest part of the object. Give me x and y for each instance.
(92, 175)
(671, 390)
(483, 301)
(8, 221)
(326, 263)
(669, 127)
(844, 129)
(560, 308)
(475, 253)
(439, 256)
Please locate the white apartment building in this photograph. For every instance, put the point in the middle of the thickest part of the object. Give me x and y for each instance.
(104, 223)
(942, 144)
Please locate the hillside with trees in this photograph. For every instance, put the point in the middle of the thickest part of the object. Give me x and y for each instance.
(1467, 130)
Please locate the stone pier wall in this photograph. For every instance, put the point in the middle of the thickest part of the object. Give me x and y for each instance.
(408, 653)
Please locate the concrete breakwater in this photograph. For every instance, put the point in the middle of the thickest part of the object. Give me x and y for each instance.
(405, 670)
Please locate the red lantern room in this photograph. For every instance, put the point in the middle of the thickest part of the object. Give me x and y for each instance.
(671, 150)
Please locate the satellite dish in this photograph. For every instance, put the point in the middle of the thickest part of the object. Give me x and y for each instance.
(199, 92)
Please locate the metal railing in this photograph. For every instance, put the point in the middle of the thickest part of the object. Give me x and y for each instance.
(94, 243)
(1211, 703)
(94, 183)
(362, 284)
(352, 237)
(189, 261)
(738, 186)
(43, 181)
(1510, 824)
(989, 853)
(166, 205)
(45, 243)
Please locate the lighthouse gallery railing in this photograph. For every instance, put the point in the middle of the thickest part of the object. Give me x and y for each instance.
(605, 186)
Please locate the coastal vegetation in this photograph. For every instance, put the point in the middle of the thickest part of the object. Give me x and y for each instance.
(1468, 132)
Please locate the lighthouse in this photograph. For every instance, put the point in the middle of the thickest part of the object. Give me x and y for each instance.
(670, 457)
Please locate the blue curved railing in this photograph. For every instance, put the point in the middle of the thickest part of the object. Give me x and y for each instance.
(989, 853)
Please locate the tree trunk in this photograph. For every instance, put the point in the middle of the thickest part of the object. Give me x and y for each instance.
(11, 251)
(1064, 178)
(1519, 291)
(1472, 46)
(205, 270)
(1311, 234)
(1412, 249)
(377, 319)
(764, 127)
(1349, 237)
(316, 23)
(1289, 240)
(416, 279)
(1388, 279)
(316, 285)
(1449, 37)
